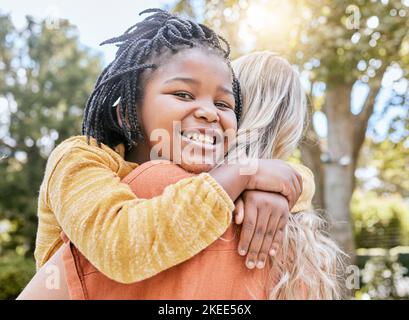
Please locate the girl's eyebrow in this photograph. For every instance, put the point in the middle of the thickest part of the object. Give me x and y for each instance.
(183, 79)
(197, 83)
(225, 90)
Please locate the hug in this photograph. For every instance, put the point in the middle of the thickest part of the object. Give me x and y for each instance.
(122, 225)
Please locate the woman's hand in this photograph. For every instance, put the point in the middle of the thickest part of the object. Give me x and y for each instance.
(264, 216)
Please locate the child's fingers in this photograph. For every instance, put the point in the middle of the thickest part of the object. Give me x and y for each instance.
(267, 243)
(298, 189)
(239, 211)
(291, 194)
(279, 234)
(249, 224)
(299, 179)
(263, 217)
(295, 189)
(278, 239)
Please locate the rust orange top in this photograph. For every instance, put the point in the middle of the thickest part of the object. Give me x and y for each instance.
(217, 272)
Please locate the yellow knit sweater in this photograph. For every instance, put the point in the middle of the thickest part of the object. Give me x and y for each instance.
(126, 238)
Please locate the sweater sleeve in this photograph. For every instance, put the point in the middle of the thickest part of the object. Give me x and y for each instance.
(127, 238)
(304, 202)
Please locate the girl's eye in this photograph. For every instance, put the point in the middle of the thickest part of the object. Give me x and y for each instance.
(222, 105)
(184, 95)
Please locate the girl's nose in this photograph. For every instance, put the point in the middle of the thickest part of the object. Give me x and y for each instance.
(208, 113)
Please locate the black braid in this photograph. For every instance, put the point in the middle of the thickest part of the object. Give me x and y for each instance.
(122, 77)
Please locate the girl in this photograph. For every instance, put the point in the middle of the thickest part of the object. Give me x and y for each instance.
(158, 60)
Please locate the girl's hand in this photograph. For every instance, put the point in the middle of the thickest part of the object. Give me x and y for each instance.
(276, 176)
(270, 175)
(264, 216)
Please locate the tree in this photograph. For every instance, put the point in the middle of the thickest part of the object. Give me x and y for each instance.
(45, 79)
(388, 164)
(338, 46)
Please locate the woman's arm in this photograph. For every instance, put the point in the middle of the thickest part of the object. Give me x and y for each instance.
(49, 283)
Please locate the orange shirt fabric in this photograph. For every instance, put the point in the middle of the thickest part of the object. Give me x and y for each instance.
(217, 272)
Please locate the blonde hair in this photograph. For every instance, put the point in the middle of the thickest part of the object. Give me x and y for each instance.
(274, 107)
(274, 114)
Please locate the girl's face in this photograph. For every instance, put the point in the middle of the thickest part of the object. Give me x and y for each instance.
(190, 99)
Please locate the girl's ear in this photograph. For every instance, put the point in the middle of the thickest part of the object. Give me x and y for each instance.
(118, 115)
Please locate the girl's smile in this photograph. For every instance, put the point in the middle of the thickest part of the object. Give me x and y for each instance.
(202, 137)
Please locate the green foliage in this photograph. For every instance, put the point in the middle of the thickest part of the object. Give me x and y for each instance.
(46, 76)
(15, 272)
(380, 221)
(383, 277)
(391, 160)
(328, 38)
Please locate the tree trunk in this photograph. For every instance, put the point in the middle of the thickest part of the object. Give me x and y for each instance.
(339, 171)
(310, 155)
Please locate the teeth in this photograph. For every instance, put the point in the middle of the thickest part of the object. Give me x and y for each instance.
(199, 137)
(209, 139)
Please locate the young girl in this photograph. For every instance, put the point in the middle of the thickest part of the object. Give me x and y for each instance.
(278, 99)
(125, 237)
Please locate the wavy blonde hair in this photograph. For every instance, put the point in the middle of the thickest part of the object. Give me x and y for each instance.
(274, 113)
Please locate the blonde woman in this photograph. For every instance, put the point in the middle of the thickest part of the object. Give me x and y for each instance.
(274, 112)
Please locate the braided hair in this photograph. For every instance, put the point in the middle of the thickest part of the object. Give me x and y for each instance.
(159, 32)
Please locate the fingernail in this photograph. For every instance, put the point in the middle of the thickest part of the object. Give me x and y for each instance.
(250, 264)
(272, 252)
(242, 252)
(260, 264)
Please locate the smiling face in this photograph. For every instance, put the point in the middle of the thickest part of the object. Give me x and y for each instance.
(190, 99)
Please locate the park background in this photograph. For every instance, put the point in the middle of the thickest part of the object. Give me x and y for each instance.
(353, 57)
